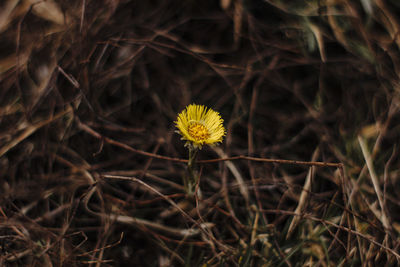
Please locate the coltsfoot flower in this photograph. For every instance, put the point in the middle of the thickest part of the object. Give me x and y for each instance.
(199, 126)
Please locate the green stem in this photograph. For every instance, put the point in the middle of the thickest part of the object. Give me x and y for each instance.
(191, 178)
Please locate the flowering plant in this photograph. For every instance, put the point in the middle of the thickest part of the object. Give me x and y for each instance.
(198, 126)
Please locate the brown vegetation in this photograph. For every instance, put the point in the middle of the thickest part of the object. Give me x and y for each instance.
(91, 167)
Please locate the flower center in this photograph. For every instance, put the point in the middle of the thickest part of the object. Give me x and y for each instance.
(198, 131)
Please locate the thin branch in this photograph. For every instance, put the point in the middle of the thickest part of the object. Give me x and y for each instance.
(108, 140)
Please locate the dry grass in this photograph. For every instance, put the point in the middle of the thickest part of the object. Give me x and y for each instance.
(91, 169)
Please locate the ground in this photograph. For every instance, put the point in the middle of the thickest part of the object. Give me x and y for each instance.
(92, 168)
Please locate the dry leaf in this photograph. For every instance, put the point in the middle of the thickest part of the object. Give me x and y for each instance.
(225, 4)
(5, 13)
(48, 10)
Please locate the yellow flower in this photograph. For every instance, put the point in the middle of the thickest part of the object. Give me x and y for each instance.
(200, 126)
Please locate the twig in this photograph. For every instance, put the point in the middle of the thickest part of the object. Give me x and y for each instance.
(92, 132)
(187, 216)
(31, 129)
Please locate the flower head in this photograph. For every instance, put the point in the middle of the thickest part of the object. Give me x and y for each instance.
(199, 125)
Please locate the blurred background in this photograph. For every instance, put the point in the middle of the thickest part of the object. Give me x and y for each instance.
(90, 90)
